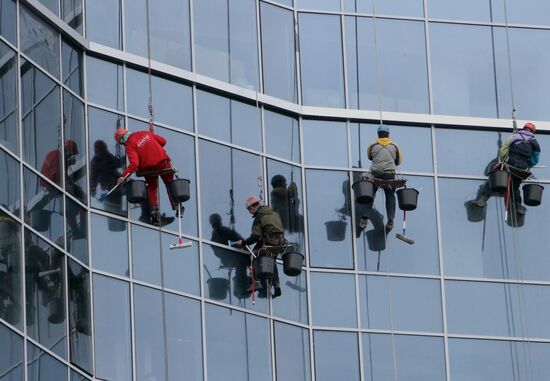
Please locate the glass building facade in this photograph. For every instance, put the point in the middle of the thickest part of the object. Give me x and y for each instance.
(245, 90)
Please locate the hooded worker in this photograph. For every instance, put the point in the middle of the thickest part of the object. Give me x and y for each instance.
(385, 156)
(268, 231)
(146, 153)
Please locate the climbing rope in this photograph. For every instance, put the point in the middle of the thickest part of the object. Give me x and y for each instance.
(149, 75)
(510, 75)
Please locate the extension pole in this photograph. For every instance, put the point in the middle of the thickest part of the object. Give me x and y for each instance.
(507, 198)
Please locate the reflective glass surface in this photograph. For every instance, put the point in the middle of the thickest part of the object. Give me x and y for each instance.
(526, 12)
(11, 280)
(71, 13)
(10, 196)
(237, 344)
(103, 23)
(110, 245)
(146, 254)
(8, 97)
(404, 304)
(401, 54)
(172, 101)
(77, 230)
(43, 367)
(8, 27)
(11, 367)
(322, 80)
(112, 335)
(413, 8)
(417, 358)
(330, 235)
(473, 10)
(333, 300)
(74, 146)
(325, 143)
(462, 60)
(45, 294)
(80, 322)
(105, 82)
(169, 31)
(293, 305)
(72, 70)
(39, 41)
(278, 52)
(336, 356)
(52, 5)
(292, 353)
(324, 5)
(282, 136)
(229, 120)
(107, 160)
(181, 269)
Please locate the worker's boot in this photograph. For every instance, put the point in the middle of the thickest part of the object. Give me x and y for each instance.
(480, 201)
(155, 216)
(389, 226)
(179, 211)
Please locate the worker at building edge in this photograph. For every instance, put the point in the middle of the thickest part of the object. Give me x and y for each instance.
(267, 230)
(385, 156)
(521, 150)
(146, 153)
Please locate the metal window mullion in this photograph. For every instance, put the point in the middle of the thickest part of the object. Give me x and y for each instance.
(259, 48)
(122, 25)
(428, 57)
(132, 309)
(298, 78)
(192, 35)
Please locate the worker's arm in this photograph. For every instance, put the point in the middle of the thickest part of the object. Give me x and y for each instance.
(535, 156)
(369, 151)
(134, 161)
(398, 155)
(160, 140)
(504, 149)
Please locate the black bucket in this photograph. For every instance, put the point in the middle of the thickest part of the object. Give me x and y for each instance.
(376, 239)
(116, 225)
(474, 212)
(336, 230)
(407, 198)
(217, 288)
(515, 220)
(40, 219)
(179, 188)
(532, 194)
(242, 287)
(498, 180)
(135, 191)
(292, 263)
(364, 191)
(56, 311)
(264, 267)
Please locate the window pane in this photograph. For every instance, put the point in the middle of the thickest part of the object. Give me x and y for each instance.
(10, 196)
(43, 367)
(169, 31)
(105, 83)
(243, 43)
(181, 267)
(404, 304)
(79, 316)
(321, 60)
(146, 254)
(333, 300)
(73, 73)
(462, 60)
(329, 231)
(336, 356)
(324, 5)
(282, 136)
(45, 293)
(113, 348)
(401, 53)
(11, 366)
(473, 10)
(103, 22)
(8, 20)
(417, 358)
(11, 287)
(74, 146)
(110, 245)
(51, 5)
(107, 160)
(183, 328)
(8, 97)
(71, 13)
(413, 8)
(278, 52)
(172, 101)
(77, 230)
(325, 143)
(526, 12)
(293, 305)
(237, 344)
(292, 353)
(39, 42)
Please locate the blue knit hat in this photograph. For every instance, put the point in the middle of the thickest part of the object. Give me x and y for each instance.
(383, 128)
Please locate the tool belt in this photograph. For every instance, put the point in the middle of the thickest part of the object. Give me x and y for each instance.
(157, 172)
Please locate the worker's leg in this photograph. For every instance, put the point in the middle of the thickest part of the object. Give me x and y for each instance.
(152, 196)
(483, 194)
(515, 196)
(276, 282)
(390, 203)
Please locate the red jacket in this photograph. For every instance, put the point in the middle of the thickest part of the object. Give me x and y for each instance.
(144, 150)
(51, 168)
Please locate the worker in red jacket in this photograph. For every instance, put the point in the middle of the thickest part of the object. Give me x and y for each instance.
(145, 152)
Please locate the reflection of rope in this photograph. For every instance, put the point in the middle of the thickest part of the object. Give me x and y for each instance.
(163, 296)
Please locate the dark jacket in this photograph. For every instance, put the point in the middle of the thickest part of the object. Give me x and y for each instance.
(522, 150)
(267, 226)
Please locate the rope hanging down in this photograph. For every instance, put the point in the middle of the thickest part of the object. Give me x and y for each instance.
(510, 75)
(149, 75)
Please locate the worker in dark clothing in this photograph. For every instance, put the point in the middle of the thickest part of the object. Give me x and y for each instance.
(385, 156)
(268, 235)
(146, 153)
(104, 169)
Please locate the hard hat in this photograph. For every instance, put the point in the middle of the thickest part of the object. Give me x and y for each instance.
(251, 201)
(71, 148)
(278, 180)
(119, 133)
(530, 126)
(383, 128)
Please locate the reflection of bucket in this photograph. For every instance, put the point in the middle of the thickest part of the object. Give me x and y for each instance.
(515, 220)
(56, 311)
(532, 194)
(498, 181)
(217, 288)
(364, 191)
(40, 219)
(376, 240)
(474, 212)
(407, 198)
(336, 230)
(179, 188)
(135, 191)
(242, 287)
(264, 267)
(116, 225)
(292, 263)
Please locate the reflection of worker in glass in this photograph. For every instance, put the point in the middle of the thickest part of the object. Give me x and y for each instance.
(104, 171)
(9, 267)
(385, 156)
(268, 235)
(285, 201)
